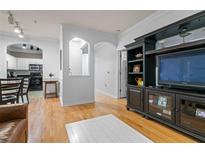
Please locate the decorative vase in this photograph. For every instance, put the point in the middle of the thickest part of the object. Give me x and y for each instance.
(139, 81)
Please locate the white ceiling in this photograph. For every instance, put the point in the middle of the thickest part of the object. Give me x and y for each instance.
(48, 21)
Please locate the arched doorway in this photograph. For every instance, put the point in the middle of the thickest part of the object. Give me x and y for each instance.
(106, 74)
(25, 60)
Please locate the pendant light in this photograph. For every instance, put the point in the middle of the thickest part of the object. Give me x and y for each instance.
(10, 18)
(17, 27)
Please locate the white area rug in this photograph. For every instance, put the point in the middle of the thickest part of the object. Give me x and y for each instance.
(103, 129)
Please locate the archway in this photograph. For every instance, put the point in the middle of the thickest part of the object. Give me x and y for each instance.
(106, 79)
(25, 60)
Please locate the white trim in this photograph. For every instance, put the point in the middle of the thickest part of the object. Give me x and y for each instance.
(118, 73)
(78, 103)
(61, 100)
(105, 93)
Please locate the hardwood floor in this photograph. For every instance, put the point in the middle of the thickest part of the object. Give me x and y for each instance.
(47, 119)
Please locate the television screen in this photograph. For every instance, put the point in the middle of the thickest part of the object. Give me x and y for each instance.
(182, 68)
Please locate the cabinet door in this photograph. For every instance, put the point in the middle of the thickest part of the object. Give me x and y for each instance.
(160, 104)
(135, 98)
(191, 113)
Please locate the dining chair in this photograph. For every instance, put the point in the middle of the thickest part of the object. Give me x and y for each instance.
(25, 89)
(10, 90)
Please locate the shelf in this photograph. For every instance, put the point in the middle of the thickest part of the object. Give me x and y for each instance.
(134, 85)
(132, 73)
(193, 44)
(136, 60)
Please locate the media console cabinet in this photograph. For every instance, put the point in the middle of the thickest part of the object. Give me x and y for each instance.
(183, 105)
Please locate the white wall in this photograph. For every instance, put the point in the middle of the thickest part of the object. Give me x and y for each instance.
(11, 61)
(106, 69)
(23, 63)
(153, 22)
(80, 89)
(51, 53)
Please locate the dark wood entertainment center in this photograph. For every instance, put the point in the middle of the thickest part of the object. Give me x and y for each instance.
(182, 104)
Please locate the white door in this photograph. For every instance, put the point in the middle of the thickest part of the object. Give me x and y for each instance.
(123, 74)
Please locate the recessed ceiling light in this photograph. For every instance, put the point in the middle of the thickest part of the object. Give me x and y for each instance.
(24, 46)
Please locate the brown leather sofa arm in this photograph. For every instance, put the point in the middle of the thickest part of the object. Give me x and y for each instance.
(13, 112)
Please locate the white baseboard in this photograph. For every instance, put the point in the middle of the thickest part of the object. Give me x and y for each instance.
(77, 103)
(105, 93)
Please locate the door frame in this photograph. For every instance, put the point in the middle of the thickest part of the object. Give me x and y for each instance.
(119, 73)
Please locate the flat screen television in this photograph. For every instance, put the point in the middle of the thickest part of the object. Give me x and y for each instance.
(184, 68)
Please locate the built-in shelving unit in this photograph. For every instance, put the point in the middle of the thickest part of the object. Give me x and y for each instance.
(135, 56)
(139, 97)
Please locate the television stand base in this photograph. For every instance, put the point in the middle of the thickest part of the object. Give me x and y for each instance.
(182, 89)
(181, 109)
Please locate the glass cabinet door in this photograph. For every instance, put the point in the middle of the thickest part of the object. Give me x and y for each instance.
(191, 114)
(162, 105)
